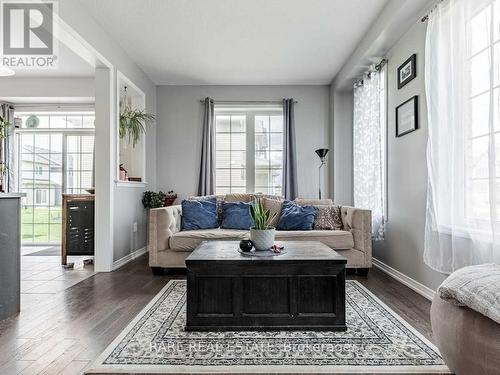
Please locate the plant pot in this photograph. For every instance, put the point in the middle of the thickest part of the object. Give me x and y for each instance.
(263, 239)
(169, 201)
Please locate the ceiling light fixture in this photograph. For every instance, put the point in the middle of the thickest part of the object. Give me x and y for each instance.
(6, 72)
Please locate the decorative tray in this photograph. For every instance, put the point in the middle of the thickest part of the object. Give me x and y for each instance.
(261, 253)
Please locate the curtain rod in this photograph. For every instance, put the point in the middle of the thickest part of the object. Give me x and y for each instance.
(426, 16)
(249, 101)
(375, 67)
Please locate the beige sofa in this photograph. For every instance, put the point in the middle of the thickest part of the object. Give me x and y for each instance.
(169, 246)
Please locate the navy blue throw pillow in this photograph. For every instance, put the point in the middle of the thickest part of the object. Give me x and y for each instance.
(199, 214)
(236, 215)
(295, 217)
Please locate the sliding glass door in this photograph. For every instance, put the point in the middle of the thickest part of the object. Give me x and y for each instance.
(51, 162)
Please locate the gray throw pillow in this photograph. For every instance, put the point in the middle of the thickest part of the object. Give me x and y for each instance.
(328, 218)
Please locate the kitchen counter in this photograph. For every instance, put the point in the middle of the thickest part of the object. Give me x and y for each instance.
(10, 254)
(12, 195)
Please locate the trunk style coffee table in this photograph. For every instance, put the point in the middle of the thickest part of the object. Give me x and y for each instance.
(302, 289)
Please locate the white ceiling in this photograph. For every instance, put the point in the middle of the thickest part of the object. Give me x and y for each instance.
(237, 42)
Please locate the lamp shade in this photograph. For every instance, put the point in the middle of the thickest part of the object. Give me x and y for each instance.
(322, 152)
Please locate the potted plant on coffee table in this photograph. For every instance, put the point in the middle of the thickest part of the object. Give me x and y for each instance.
(262, 233)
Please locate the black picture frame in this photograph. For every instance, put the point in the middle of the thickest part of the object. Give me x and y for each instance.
(403, 128)
(411, 65)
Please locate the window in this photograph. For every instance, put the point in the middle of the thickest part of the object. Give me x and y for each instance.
(57, 120)
(249, 150)
(369, 146)
(55, 157)
(484, 92)
(463, 149)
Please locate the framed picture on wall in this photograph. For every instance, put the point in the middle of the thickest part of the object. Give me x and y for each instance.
(407, 71)
(407, 116)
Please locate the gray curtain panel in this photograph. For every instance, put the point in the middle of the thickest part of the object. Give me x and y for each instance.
(206, 183)
(7, 149)
(290, 189)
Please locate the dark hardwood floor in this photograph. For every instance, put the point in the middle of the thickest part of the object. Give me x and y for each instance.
(64, 332)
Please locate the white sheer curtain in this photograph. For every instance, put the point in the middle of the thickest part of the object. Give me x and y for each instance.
(368, 149)
(462, 56)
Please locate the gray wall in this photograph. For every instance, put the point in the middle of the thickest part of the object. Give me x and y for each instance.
(407, 170)
(341, 141)
(179, 131)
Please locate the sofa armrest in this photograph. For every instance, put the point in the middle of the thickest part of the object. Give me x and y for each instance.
(163, 223)
(359, 222)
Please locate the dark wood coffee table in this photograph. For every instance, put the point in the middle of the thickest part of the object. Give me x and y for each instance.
(303, 289)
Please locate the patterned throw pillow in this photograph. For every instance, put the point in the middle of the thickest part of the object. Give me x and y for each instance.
(328, 218)
(274, 206)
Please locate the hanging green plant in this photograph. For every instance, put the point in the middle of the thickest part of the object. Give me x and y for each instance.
(133, 123)
(4, 127)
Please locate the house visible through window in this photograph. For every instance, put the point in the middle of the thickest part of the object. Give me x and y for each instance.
(41, 197)
(249, 150)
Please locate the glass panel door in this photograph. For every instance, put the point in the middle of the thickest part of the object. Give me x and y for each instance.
(79, 163)
(51, 164)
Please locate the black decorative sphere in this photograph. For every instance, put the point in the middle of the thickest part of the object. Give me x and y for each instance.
(246, 245)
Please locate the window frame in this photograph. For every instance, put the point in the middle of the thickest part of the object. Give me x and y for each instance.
(250, 113)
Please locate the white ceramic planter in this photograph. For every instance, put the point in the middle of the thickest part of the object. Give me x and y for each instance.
(263, 239)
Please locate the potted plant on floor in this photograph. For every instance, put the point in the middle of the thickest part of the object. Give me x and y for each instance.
(152, 199)
(262, 234)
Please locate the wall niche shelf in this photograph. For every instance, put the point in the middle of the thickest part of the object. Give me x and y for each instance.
(132, 158)
(131, 184)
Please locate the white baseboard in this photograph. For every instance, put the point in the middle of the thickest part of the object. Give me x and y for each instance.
(405, 280)
(127, 258)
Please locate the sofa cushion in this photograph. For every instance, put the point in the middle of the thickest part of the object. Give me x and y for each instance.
(189, 240)
(199, 214)
(295, 217)
(236, 215)
(336, 239)
(328, 218)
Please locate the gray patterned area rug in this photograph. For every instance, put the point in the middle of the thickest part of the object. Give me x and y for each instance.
(377, 341)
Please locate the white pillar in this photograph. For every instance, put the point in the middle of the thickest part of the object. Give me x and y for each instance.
(105, 121)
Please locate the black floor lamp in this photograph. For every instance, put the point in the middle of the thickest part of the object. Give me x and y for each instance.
(322, 155)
